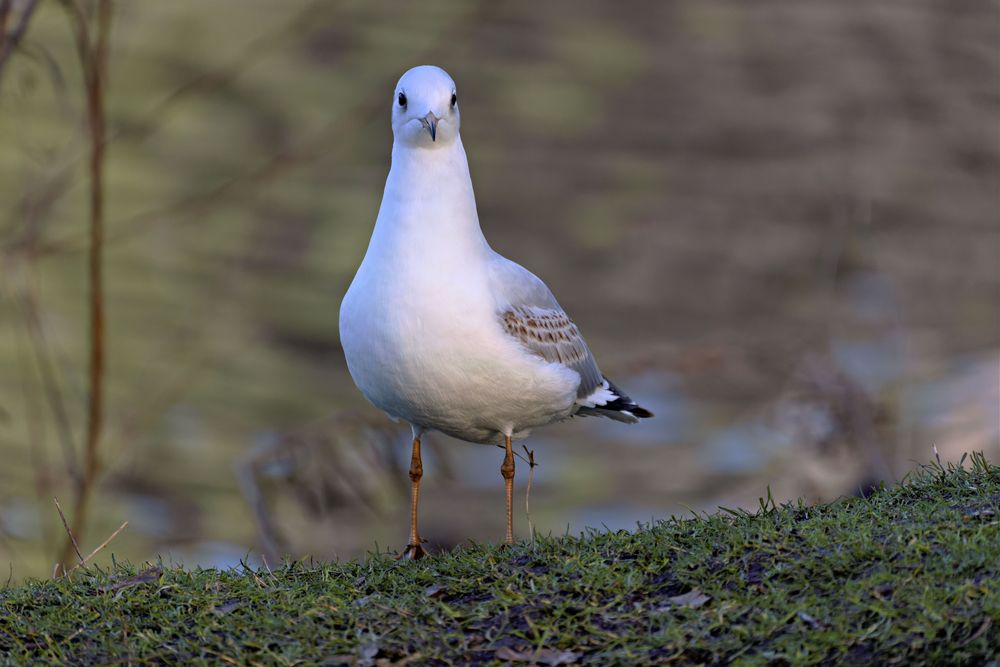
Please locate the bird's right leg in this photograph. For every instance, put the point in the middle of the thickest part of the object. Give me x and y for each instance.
(507, 471)
(414, 550)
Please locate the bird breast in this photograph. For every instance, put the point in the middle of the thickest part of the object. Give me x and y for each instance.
(425, 344)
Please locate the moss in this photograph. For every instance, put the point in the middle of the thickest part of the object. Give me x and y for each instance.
(910, 574)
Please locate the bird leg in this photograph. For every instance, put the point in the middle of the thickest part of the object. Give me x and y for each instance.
(507, 470)
(414, 550)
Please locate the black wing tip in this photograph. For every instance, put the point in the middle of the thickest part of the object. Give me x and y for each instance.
(641, 413)
(625, 404)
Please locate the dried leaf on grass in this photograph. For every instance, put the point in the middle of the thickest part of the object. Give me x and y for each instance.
(227, 606)
(693, 599)
(144, 577)
(809, 620)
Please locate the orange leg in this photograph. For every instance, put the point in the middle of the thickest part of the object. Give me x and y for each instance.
(507, 470)
(414, 550)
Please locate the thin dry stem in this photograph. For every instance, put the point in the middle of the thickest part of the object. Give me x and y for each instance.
(5, 7)
(38, 341)
(98, 549)
(527, 492)
(35, 431)
(69, 533)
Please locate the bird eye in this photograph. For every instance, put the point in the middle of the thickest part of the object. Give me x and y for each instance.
(454, 99)
(402, 99)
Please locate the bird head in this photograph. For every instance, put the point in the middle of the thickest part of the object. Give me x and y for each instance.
(425, 108)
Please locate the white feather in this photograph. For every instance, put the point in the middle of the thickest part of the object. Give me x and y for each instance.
(602, 395)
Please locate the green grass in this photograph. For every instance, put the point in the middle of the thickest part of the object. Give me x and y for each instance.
(908, 575)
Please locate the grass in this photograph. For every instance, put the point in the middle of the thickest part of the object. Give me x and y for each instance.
(910, 574)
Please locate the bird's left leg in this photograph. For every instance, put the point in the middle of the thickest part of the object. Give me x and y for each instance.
(507, 470)
(414, 550)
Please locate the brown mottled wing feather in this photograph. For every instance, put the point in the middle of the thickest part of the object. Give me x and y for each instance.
(549, 333)
(528, 312)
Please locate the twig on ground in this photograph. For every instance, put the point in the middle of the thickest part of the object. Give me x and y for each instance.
(267, 567)
(527, 492)
(99, 548)
(71, 539)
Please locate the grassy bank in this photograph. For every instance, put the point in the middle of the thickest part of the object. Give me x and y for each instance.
(908, 575)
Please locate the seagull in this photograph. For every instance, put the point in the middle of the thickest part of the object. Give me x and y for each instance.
(442, 332)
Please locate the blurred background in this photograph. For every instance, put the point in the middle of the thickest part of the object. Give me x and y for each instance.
(777, 223)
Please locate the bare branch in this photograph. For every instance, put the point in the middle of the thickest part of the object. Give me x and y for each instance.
(323, 142)
(94, 61)
(9, 41)
(38, 341)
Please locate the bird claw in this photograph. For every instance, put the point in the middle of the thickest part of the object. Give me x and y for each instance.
(412, 552)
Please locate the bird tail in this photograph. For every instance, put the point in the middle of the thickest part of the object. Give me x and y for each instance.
(617, 405)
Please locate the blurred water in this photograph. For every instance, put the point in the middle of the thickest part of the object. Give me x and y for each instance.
(614, 518)
(662, 394)
(212, 554)
(19, 519)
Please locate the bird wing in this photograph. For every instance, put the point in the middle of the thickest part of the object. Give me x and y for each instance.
(530, 313)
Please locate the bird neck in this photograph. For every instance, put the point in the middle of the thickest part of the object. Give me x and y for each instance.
(431, 188)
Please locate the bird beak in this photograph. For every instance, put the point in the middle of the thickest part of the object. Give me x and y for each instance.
(430, 122)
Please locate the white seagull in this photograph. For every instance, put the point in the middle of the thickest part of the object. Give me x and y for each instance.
(441, 331)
